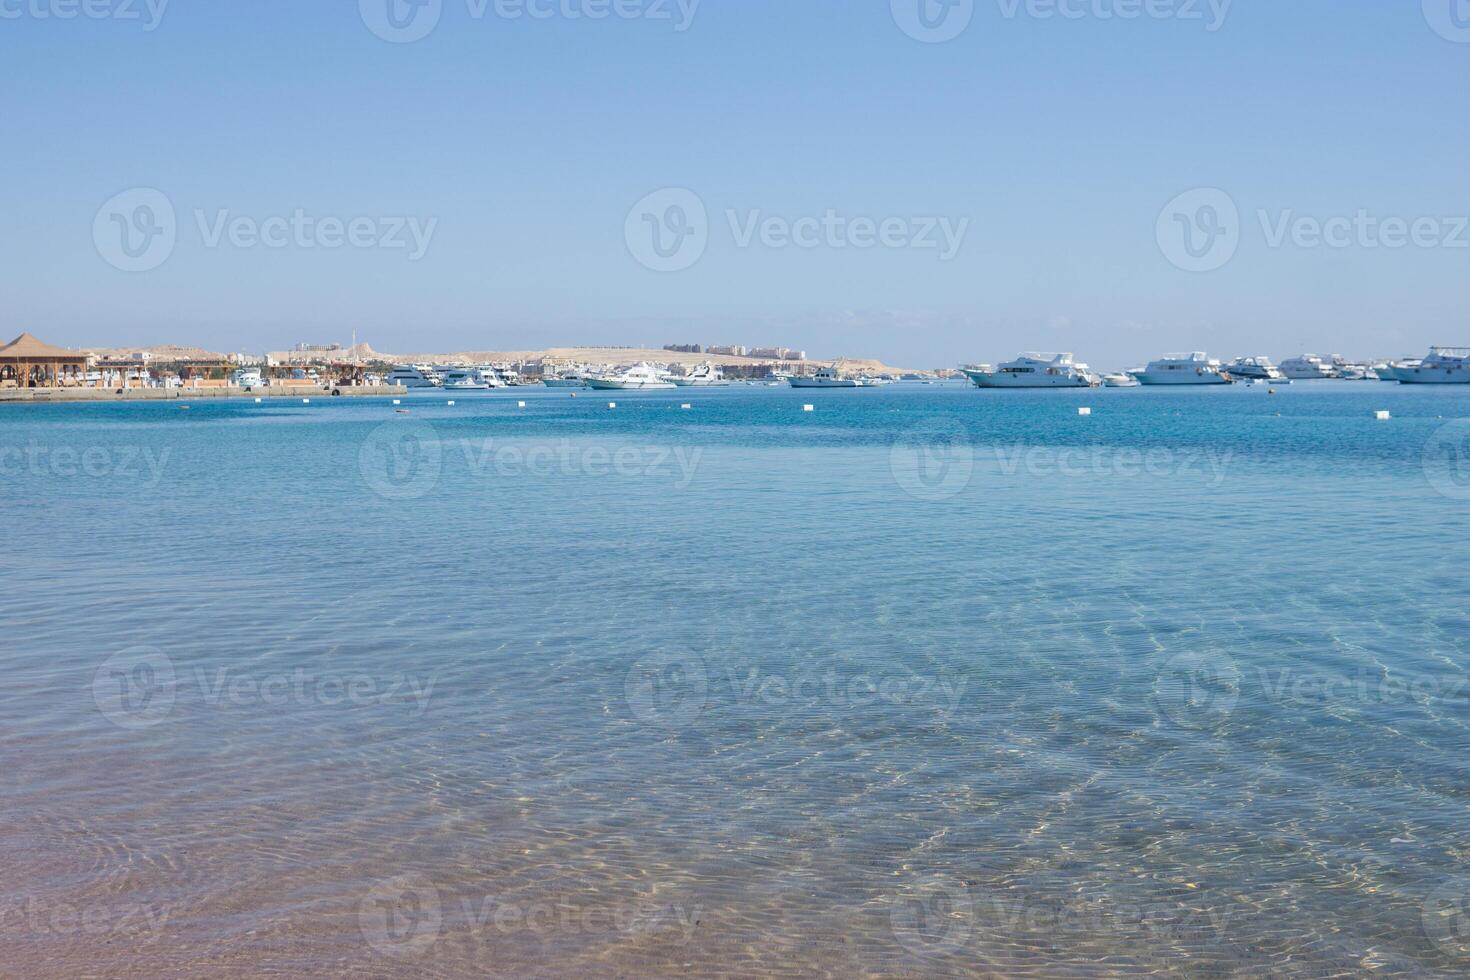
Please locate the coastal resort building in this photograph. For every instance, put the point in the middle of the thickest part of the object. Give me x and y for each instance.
(26, 362)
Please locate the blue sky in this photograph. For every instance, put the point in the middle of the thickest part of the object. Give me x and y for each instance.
(521, 144)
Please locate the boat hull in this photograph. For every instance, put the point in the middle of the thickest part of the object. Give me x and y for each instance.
(564, 382)
(984, 379)
(1195, 379)
(824, 383)
(698, 383)
(1432, 376)
(605, 385)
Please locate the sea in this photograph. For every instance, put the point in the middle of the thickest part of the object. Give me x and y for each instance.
(920, 680)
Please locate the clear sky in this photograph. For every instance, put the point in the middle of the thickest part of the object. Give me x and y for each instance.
(1049, 138)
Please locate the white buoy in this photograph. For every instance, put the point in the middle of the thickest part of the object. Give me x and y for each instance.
(1084, 411)
(397, 402)
(451, 404)
(520, 404)
(306, 401)
(612, 404)
(1382, 416)
(257, 401)
(808, 408)
(686, 406)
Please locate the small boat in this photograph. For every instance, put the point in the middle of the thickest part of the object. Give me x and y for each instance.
(1035, 371)
(247, 378)
(1183, 369)
(566, 379)
(1120, 380)
(704, 376)
(640, 377)
(826, 377)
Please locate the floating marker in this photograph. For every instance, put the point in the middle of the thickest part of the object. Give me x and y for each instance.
(686, 406)
(306, 401)
(612, 404)
(520, 404)
(403, 411)
(257, 401)
(1382, 416)
(451, 404)
(395, 401)
(808, 408)
(1084, 411)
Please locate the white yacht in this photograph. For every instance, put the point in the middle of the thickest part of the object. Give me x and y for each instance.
(414, 376)
(826, 377)
(1443, 366)
(1035, 371)
(639, 377)
(565, 379)
(247, 378)
(1120, 380)
(1255, 369)
(704, 376)
(469, 379)
(1183, 369)
(1308, 367)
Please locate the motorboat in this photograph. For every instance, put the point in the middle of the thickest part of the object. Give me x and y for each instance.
(1120, 380)
(1183, 369)
(566, 379)
(248, 378)
(640, 377)
(1035, 371)
(826, 377)
(467, 379)
(1255, 369)
(1309, 367)
(704, 376)
(1443, 366)
(414, 376)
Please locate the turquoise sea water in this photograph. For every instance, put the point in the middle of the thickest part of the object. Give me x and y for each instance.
(928, 681)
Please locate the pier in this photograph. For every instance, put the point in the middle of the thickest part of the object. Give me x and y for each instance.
(77, 394)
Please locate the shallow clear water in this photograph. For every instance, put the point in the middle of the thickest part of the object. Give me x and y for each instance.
(929, 681)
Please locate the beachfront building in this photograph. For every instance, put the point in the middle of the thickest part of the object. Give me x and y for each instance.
(26, 362)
